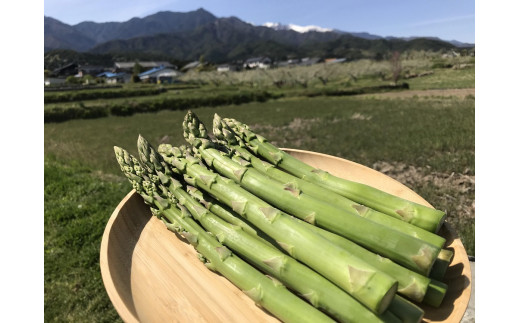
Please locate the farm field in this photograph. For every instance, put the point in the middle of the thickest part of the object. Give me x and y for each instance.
(424, 137)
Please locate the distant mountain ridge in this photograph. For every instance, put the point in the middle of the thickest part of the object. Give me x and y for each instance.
(158, 23)
(85, 35)
(195, 34)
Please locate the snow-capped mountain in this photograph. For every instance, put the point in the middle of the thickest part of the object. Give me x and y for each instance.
(297, 28)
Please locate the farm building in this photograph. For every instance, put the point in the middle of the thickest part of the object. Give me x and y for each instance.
(129, 66)
(160, 74)
(310, 61)
(257, 62)
(335, 60)
(64, 71)
(112, 78)
(290, 62)
(191, 66)
(53, 80)
(226, 68)
(90, 70)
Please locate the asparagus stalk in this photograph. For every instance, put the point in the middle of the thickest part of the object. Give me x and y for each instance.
(404, 249)
(224, 135)
(412, 285)
(372, 288)
(415, 287)
(443, 260)
(320, 292)
(267, 293)
(408, 311)
(414, 213)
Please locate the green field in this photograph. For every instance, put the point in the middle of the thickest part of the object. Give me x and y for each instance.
(427, 143)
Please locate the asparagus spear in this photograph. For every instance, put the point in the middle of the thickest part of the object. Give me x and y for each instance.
(224, 134)
(404, 310)
(267, 293)
(404, 249)
(371, 287)
(414, 213)
(412, 285)
(320, 292)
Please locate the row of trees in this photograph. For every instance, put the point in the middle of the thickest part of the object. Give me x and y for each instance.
(393, 68)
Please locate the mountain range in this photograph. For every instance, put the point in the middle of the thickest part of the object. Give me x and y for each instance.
(191, 35)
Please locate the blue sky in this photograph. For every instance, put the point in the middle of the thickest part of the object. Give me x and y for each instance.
(449, 20)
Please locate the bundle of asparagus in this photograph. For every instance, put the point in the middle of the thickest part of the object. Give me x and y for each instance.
(328, 255)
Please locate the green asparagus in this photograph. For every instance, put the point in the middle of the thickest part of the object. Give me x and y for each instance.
(424, 217)
(266, 292)
(320, 292)
(404, 249)
(371, 287)
(224, 135)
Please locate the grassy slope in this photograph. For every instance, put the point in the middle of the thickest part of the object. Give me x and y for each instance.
(78, 202)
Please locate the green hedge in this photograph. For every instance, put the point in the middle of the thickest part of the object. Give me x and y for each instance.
(69, 96)
(79, 111)
(357, 91)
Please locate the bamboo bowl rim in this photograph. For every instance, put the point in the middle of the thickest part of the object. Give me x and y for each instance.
(127, 300)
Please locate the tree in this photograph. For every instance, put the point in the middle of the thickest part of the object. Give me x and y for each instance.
(88, 79)
(395, 64)
(135, 78)
(72, 80)
(138, 69)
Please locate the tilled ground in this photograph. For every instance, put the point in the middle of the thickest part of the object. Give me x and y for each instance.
(450, 192)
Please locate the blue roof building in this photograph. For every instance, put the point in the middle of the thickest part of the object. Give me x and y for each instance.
(160, 74)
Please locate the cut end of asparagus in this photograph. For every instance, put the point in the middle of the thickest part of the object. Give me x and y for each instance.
(435, 293)
(405, 310)
(441, 264)
(387, 299)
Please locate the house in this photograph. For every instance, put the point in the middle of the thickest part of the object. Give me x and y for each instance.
(90, 70)
(66, 70)
(160, 74)
(290, 62)
(52, 81)
(129, 66)
(335, 60)
(191, 66)
(310, 61)
(451, 54)
(257, 62)
(112, 78)
(226, 68)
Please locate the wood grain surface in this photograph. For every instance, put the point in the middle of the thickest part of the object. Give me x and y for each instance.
(153, 275)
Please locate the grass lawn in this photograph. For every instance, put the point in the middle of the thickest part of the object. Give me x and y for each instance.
(428, 144)
(78, 201)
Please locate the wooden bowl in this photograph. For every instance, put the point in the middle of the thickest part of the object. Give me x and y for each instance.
(152, 275)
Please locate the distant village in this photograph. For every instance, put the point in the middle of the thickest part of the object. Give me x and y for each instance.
(165, 72)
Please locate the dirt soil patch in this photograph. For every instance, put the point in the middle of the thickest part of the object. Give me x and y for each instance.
(453, 193)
